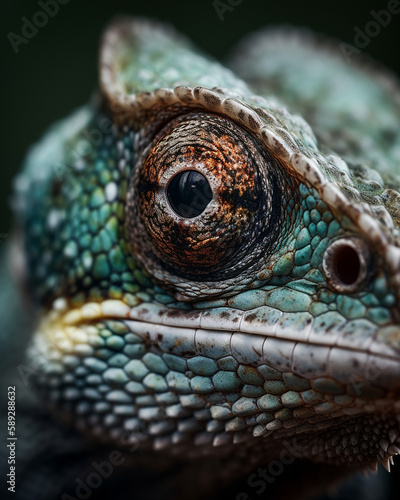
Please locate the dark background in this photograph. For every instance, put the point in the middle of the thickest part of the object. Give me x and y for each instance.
(57, 70)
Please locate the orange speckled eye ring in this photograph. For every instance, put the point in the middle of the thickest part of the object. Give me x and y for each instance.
(208, 145)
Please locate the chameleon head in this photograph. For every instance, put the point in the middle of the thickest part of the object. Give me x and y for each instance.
(207, 273)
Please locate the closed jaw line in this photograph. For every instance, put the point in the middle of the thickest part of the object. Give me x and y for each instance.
(285, 341)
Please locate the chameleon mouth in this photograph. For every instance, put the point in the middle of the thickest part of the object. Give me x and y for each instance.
(287, 342)
(252, 376)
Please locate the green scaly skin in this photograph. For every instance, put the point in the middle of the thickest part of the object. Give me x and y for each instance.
(235, 365)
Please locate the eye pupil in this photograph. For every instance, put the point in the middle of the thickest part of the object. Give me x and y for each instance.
(189, 193)
(347, 264)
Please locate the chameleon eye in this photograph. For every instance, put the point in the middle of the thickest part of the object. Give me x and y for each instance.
(346, 263)
(189, 193)
(204, 196)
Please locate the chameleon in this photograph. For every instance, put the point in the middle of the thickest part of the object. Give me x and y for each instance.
(210, 261)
